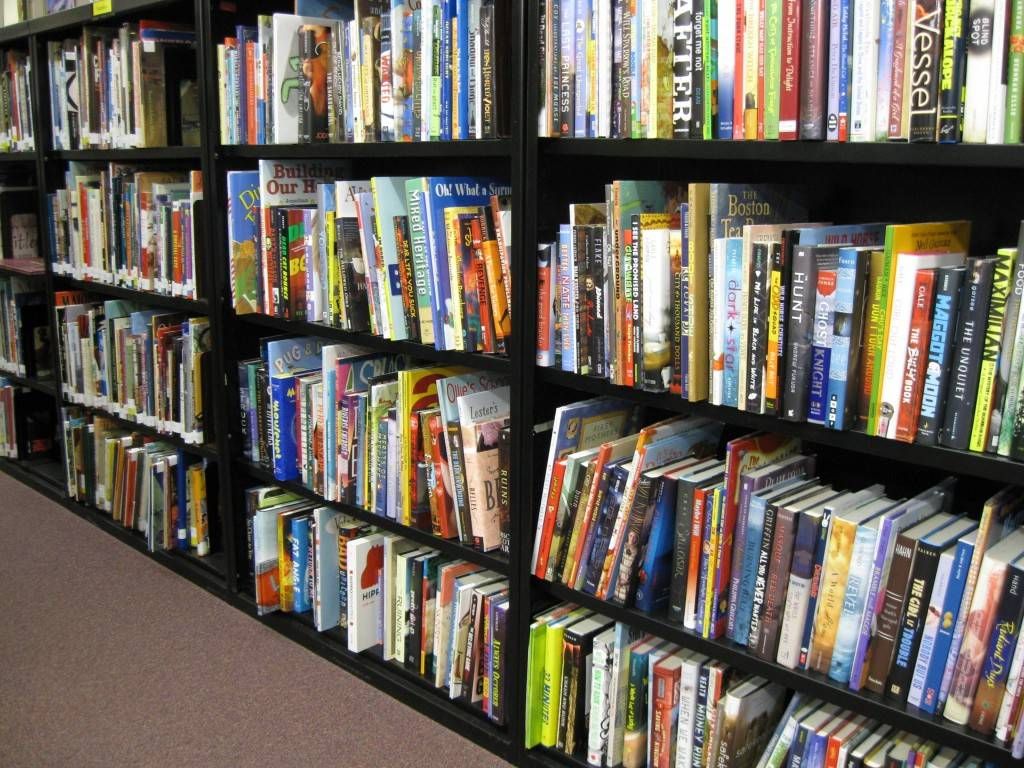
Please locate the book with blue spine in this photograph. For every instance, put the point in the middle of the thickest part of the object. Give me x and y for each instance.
(712, 514)
(448, 14)
(414, 196)
(733, 324)
(460, 66)
(581, 54)
(594, 556)
(883, 82)
(949, 610)
(564, 284)
(655, 571)
(326, 586)
(827, 264)
(181, 471)
(753, 491)
(287, 358)
(844, 361)
(323, 224)
(948, 283)
(298, 542)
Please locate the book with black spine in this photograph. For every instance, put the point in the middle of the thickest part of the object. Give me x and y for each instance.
(813, 69)
(966, 361)
(682, 69)
(799, 332)
(596, 296)
(687, 483)
(700, 95)
(926, 42)
(757, 327)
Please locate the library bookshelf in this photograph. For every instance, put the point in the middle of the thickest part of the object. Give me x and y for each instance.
(850, 183)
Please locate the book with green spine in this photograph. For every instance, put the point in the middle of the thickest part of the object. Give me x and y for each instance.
(1014, 75)
(772, 67)
(1005, 258)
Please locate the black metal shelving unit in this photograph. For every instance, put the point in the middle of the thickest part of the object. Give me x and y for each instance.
(851, 182)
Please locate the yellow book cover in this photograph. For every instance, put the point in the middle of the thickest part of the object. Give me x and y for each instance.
(990, 349)
(417, 391)
(451, 231)
(834, 576)
(718, 498)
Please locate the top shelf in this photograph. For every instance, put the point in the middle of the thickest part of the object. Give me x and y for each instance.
(76, 17)
(1006, 156)
(370, 150)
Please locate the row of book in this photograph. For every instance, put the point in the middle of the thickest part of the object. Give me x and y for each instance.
(17, 129)
(425, 446)
(145, 484)
(397, 71)
(24, 328)
(424, 259)
(442, 619)
(119, 225)
(886, 328)
(604, 690)
(756, 548)
(149, 366)
(122, 88)
(845, 70)
(14, 11)
(26, 422)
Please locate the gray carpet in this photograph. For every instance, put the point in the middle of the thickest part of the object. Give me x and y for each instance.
(107, 658)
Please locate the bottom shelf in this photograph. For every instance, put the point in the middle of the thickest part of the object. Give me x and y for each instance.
(387, 676)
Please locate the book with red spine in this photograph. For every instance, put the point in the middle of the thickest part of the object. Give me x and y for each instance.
(789, 102)
(917, 355)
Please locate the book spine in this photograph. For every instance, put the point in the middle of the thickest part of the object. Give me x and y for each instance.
(757, 329)
(1008, 380)
(853, 605)
(832, 86)
(930, 632)
(820, 552)
(1002, 642)
(821, 335)
(776, 319)
(726, 63)
(963, 387)
(991, 344)
(682, 72)
(799, 334)
(981, 28)
(813, 66)
(862, 76)
(911, 626)
(883, 647)
(898, 82)
(770, 624)
(913, 372)
(952, 71)
(680, 552)
(798, 593)
(791, 69)
(701, 84)
(1015, 75)
(924, 82)
(940, 346)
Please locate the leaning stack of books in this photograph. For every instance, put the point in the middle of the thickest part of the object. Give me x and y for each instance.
(425, 446)
(890, 329)
(148, 366)
(146, 485)
(444, 620)
(423, 259)
(757, 549)
(866, 70)
(110, 88)
(403, 71)
(119, 225)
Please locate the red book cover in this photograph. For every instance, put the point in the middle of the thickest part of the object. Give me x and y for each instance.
(550, 513)
(789, 103)
(667, 675)
(250, 100)
(296, 265)
(917, 356)
(487, 343)
(545, 354)
(177, 248)
(626, 336)
(443, 496)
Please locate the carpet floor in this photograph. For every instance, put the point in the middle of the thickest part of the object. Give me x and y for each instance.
(109, 659)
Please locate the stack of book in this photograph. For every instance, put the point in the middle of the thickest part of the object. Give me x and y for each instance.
(120, 225)
(26, 422)
(888, 329)
(442, 619)
(424, 259)
(24, 328)
(149, 366)
(757, 549)
(124, 88)
(846, 70)
(399, 71)
(425, 446)
(146, 485)
(17, 131)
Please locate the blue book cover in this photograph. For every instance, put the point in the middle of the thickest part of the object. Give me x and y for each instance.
(637, 56)
(298, 543)
(845, 26)
(655, 572)
(846, 336)
(244, 238)
(450, 192)
(181, 540)
(947, 622)
(821, 343)
(567, 322)
(883, 82)
(582, 27)
(841, 663)
(812, 601)
(287, 358)
(607, 481)
(358, 462)
(604, 524)
(324, 9)
(712, 498)
(463, 64)
(445, 53)
(733, 285)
